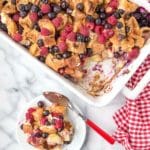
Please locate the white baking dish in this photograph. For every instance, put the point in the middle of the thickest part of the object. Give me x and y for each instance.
(117, 84)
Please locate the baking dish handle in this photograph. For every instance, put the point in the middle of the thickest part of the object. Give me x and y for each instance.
(132, 94)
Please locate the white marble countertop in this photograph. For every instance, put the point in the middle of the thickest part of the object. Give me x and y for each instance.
(20, 81)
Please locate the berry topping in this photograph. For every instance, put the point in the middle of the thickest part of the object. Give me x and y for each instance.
(43, 120)
(62, 46)
(98, 29)
(45, 32)
(16, 17)
(133, 53)
(17, 37)
(71, 36)
(80, 6)
(90, 25)
(84, 30)
(45, 8)
(112, 20)
(64, 5)
(46, 113)
(52, 15)
(33, 16)
(57, 21)
(40, 104)
(102, 39)
(43, 51)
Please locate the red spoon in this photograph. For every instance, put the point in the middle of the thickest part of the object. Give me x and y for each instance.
(63, 100)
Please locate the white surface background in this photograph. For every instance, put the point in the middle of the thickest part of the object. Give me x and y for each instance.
(21, 80)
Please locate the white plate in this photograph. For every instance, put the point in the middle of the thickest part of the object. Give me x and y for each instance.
(78, 123)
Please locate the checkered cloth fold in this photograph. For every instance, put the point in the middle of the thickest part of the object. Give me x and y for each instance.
(133, 119)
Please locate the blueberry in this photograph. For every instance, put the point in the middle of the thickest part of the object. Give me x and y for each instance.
(40, 43)
(90, 18)
(86, 39)
(13, 2)
(69, 11)
(40, 104)
(116, 54)
(44, 1)
(80, 6)
(67, 54)
(40, 14)
(34, 8)
(137, 15)
(89, 51)
(107, 26)
(57, 9)
(22, 7)
(55, 49)
(44, 135)
(45, 112)
(102, 15)
(21, 126)
(52, 15)
(117, 15)
(98, 21)
(119, 25)
(99, 9)
(80, 37)
(36, 27)
(38, 134)
(103, 22)
(23, 14)
(47, 123)
(28, 7)
(144, 22)
(59, 56)
(64, 5)
(41, 58)
(121, 11)
(3, 27)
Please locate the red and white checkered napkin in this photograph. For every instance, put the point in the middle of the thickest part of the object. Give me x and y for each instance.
(133, 119)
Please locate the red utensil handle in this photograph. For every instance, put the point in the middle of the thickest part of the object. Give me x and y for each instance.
(101, 132)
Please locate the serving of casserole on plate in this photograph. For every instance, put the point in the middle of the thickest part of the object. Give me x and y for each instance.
(90, 42)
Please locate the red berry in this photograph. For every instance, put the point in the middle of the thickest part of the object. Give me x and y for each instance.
(98, 29)
(68, 28)
(17, 37)
(31, 110)
(113, 3)
(45, 8)
(112, 20)
(64, 35)
(134, 53)
(108, 33)
(57, 21)
(58, 123)
(33, 16)
(102, 39)
(16, 17)
(84, 31)
(43, 121)
(71, 36)
(43, 51)
(45, 32)
(62, 46)
(29, 117)
(90, 25)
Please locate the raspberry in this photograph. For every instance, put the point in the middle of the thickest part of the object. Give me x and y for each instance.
(90, 25)
(17, 37)
(114, 4)
(44, 51)
(29, 117)
(102, 39)
(68, 28)
(84, 31)
(33, 16)
(45, 32)
(43, 120)
(31, 110)
(62, 46)
(71, 36)
(64, 35)
(134, 53)
(16, 17)
(45, 8)
(112, 20)
(58, 123)
(57, 21)
(98, 29)
(108, 33)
